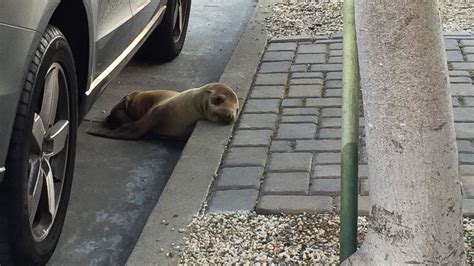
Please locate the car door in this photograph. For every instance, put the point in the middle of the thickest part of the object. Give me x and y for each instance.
(113, 24)
(143, 12)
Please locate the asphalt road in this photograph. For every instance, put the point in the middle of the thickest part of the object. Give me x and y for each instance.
(117, 183)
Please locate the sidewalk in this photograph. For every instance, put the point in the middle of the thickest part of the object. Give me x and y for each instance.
(284, 156)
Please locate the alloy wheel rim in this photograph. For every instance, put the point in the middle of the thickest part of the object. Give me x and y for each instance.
(179, 18)
(48, 153)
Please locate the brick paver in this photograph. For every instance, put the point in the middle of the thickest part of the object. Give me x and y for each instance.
(287, 183)
(296, 131)
(252, 137)
(294, 204)
(305, 91)
(306, 81)
(262, 106)
(241, 200)
(246, 156)
(285, 150)
(268, 92)
(271, 79)
(278, 56)
(300, 111)
(275, 67)
(258, 121)
(240, 178)
(291, 161)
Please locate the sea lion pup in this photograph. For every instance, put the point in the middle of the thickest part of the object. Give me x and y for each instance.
(169, 113)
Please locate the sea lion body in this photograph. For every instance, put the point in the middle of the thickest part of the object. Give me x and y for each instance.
(169, 113)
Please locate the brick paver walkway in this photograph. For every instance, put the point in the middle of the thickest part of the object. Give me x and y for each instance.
(285, 151)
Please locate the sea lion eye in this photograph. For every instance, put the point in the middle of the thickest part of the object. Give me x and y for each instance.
(217, 101)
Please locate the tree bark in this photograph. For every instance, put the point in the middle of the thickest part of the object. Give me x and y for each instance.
(415, 189)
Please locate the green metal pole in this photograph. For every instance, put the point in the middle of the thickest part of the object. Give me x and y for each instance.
(350, 135)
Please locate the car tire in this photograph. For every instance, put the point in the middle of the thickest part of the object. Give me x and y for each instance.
(40, 162)
(167, 40)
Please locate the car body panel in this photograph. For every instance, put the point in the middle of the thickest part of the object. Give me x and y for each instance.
(138, 5)
(15, 55)
(33, 15)
(113, 23)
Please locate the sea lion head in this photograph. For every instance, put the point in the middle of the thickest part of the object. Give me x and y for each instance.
(222, 103)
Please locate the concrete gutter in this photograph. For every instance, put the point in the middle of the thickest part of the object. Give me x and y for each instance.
(194, 173)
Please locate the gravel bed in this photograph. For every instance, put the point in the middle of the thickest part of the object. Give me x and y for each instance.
(292, 18)
(254, 238)
(457, 15)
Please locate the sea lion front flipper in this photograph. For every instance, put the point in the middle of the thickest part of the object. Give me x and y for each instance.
(118, 115)
(116, 119)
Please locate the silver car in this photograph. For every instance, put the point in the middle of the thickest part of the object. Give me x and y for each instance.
(56, 58)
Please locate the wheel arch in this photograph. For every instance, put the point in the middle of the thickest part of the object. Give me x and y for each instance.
(74, 19)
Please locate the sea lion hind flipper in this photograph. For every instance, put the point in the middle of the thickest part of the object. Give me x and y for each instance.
(133, 130)
(100, 132)
(125, 132)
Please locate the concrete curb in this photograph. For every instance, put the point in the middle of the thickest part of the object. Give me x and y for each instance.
(189, 183)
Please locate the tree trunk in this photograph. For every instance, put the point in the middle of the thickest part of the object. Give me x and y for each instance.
(415, 190)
